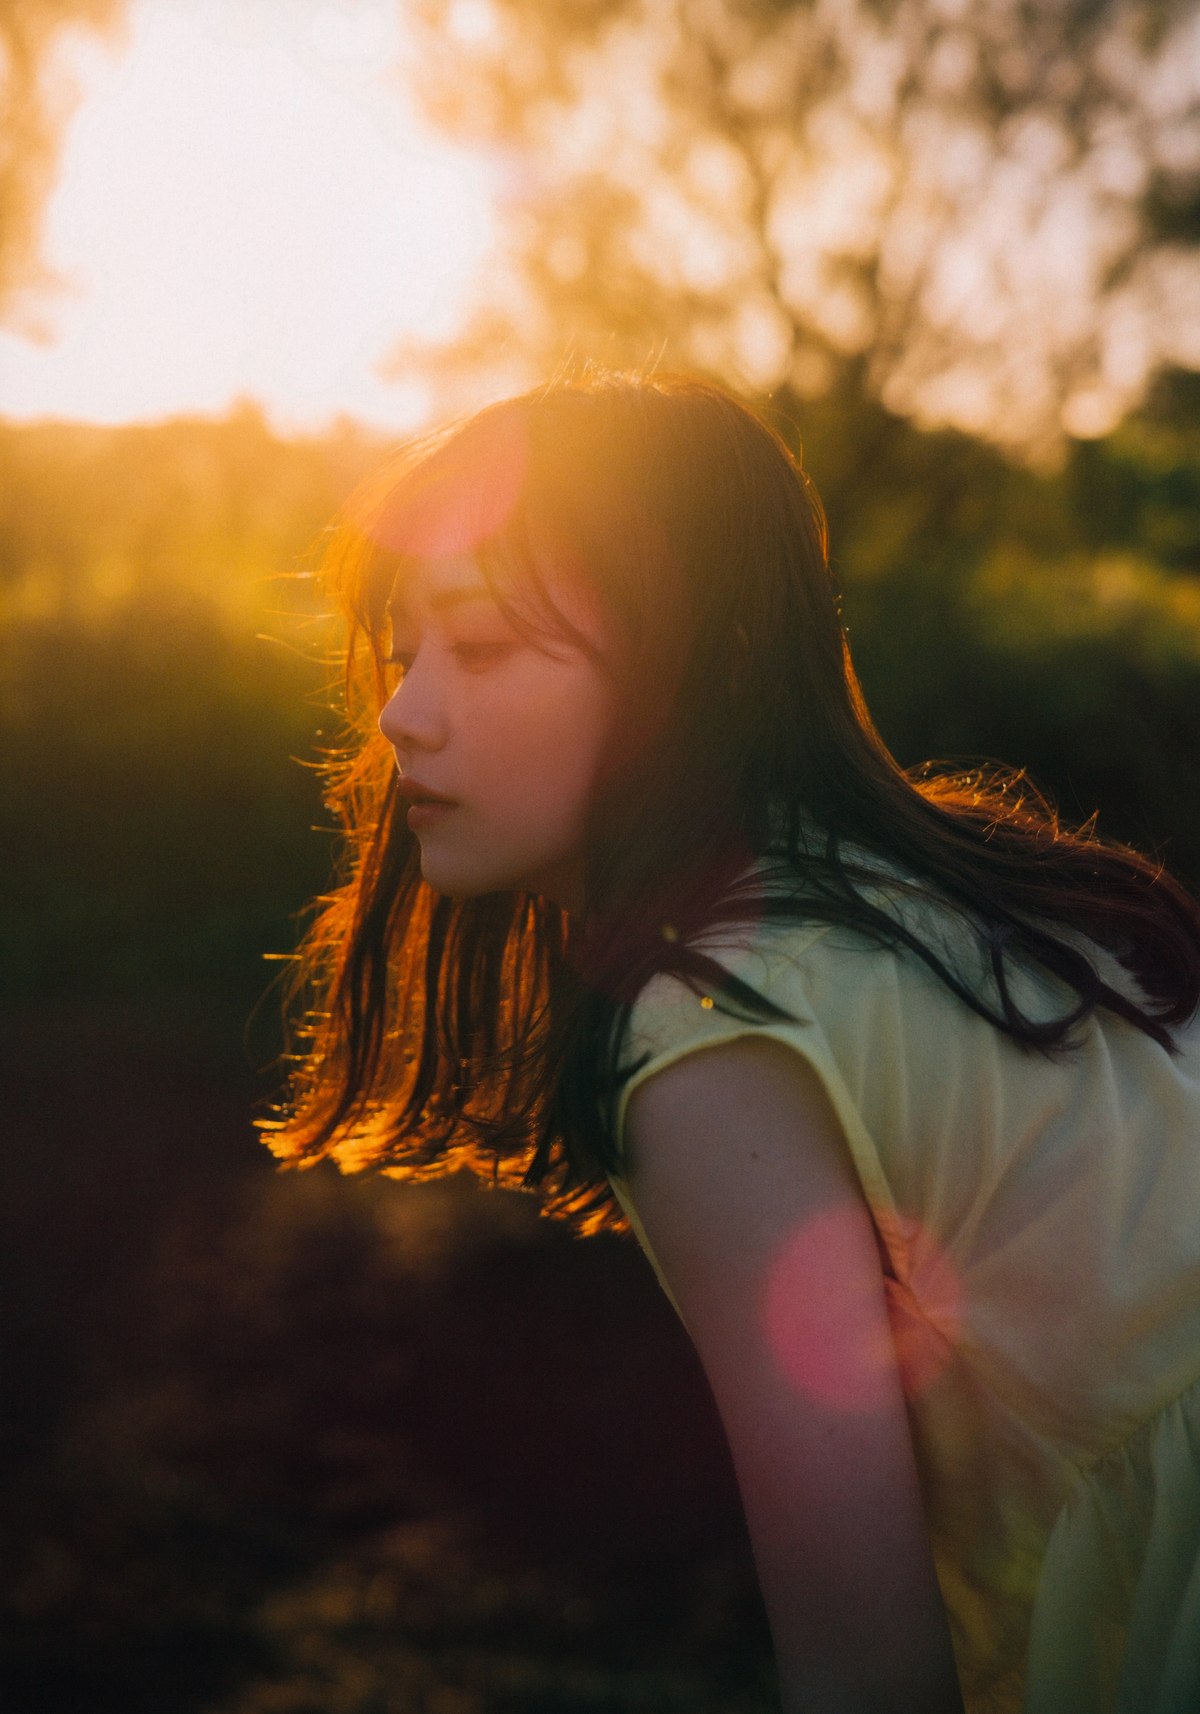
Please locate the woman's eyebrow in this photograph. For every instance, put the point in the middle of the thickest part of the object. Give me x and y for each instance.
(445, 598)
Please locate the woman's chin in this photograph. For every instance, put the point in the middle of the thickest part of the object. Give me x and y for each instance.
(453, 883)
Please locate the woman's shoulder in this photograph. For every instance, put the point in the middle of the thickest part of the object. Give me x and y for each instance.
(857, 947)
(763, 956)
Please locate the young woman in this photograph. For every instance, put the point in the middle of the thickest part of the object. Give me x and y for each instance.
(896, 1078)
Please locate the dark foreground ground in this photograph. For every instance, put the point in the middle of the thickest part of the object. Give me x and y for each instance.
(295, 1444)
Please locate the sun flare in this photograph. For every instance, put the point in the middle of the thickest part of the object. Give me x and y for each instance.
(248, 207)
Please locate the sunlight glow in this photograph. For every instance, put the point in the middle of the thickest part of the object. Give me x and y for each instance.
(248, 208)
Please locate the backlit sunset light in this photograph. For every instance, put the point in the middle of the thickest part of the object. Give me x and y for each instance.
(246, 207)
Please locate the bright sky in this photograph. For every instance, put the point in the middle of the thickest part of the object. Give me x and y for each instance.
(248, 207)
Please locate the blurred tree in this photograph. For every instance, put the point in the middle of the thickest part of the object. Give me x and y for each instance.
(35, 99)
(988, 212)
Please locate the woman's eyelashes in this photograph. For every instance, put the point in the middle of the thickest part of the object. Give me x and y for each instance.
(474, 656)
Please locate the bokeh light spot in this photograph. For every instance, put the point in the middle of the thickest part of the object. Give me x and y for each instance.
(822, 1318)
(821, 1311)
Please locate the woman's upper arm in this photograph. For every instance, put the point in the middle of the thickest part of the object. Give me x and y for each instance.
(743, 1183)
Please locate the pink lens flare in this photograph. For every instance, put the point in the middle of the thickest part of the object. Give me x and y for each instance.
(821, 1313)
(461, 496)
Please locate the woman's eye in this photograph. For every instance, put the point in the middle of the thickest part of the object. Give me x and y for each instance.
(478, 655)
(473, 656)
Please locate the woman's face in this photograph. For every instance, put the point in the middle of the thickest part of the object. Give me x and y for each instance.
(506, 730)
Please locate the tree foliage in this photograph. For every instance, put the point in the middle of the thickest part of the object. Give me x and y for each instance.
(990, 209)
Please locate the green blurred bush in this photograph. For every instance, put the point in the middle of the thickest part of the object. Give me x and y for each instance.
(1047, 620)
(164, 690)
(157, 826)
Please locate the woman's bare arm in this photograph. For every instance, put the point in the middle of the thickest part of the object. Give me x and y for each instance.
(749, 1199)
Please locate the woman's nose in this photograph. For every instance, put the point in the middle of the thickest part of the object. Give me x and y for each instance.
(413, 716)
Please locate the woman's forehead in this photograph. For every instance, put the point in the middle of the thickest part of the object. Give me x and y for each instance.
(437, 585)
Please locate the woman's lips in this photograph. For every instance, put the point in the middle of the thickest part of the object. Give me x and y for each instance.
(410, 788)
(426, 806)
(424, 812)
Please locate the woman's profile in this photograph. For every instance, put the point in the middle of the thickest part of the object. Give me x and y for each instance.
(895, 1077)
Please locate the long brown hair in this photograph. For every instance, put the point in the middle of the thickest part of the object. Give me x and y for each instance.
(435, 1033)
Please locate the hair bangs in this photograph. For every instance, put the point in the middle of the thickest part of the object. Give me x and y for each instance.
(474, 494)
